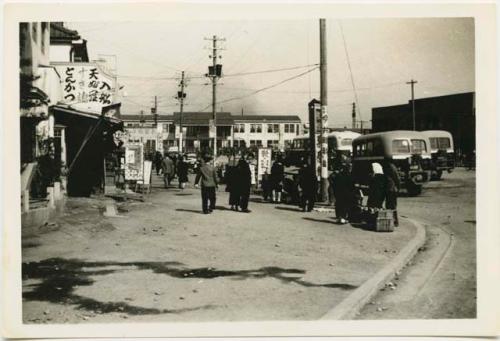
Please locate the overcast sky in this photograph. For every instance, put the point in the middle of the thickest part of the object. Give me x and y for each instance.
(383, 55)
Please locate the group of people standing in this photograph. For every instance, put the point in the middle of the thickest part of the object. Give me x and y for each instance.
(238, 183)
(384, 187)
(171, 166)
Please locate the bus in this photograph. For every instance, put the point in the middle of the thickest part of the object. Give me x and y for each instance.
(408, 150)
(442, 151)
(339, 143)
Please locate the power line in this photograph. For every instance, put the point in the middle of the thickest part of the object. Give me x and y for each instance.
(350, 69)
(269, 71)
(263, 89)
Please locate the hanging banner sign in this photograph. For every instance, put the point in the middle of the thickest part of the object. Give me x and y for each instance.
(86, 83)
(264, 162)
(134, 161)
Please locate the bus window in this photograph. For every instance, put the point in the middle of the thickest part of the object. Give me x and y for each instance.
(346, 142)
(418, 146)
(400, 147)
(444, 143)
(378, 148)
(434, 142)
(369, 149)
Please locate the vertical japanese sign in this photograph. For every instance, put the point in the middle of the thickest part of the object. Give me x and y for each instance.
(134, 169)
(86, 83)
(264, 162)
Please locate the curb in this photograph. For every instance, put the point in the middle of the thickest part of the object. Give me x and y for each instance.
(348, 308)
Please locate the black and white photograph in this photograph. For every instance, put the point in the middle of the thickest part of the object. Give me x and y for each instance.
(316, 168)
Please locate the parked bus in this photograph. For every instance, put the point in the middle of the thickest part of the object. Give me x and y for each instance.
(339, 143)
(408, 150)
(442, 151)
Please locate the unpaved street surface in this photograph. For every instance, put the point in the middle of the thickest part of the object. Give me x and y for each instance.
(440, 282)
(165, 261)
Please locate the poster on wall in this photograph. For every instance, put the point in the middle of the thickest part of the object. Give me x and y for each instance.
(264, 162)
(134, 161)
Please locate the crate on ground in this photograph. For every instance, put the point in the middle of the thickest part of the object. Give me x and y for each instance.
(383, 221)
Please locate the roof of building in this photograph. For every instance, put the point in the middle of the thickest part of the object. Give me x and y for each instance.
(267, 118)
(60, 34)
(202, 118)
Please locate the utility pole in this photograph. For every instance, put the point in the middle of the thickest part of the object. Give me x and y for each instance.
(324, 113)
(155, 111)
(412, 83)
(353, 115)
(181, 95)
(214, 72)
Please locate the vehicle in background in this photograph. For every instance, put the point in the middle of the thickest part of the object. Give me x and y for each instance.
(339, 146)
(442, 151)
(408, 150)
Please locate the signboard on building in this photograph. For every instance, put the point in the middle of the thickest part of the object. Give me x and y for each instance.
(264, 162)
(211, 129)
(134, 161)
(314, 133)
(86, 83)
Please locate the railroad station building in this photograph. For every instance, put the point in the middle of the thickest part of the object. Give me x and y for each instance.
(161, 132)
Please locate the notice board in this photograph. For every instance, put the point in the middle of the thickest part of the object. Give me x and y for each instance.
(134, 161)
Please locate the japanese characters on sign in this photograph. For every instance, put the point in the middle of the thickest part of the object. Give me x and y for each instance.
(134, 169)
(84, 83)
(264, 162)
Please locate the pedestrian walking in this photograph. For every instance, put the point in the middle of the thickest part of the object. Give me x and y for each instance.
(243, 183)
(208, 178)
(308, 184)
(344, 192)
(377, 187)
(158, 161)
(182, 171)
(277, 177)
(393, 184)
(168, 168)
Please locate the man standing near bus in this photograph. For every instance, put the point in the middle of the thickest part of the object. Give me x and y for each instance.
(208, 177)
(393, 185)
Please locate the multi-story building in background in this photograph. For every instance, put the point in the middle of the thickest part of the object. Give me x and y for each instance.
(161, 133)
(454, 113)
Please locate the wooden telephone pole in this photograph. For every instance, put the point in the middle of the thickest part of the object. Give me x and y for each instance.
(412, 83)
(181, 95)
(324, 112)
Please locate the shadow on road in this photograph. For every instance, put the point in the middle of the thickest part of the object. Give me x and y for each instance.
(284, 208)
(190, 211)
(60, 276)
(320, 220)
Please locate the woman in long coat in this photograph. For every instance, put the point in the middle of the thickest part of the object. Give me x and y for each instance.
(277, 177)
(231, 185)
(345, 193)
(182, 171)
(377, 189)
(243, 182)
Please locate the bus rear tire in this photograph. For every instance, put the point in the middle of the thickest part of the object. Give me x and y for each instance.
(413, 190)
(437, 175)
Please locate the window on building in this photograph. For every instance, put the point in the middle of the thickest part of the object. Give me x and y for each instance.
(273, 128)
(289, 128)
(239, 128)
(259, 143)
(167, 128)
(256, 128)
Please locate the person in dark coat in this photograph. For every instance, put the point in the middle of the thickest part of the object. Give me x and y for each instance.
(377, 188)
(243, 181)
(232, 185)
(168, 170)
(266, 186)
(276, 179)
(158, 159)
(344, 192)
(392, 189)
(182, 171)
(308, 184)
(208, 178)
